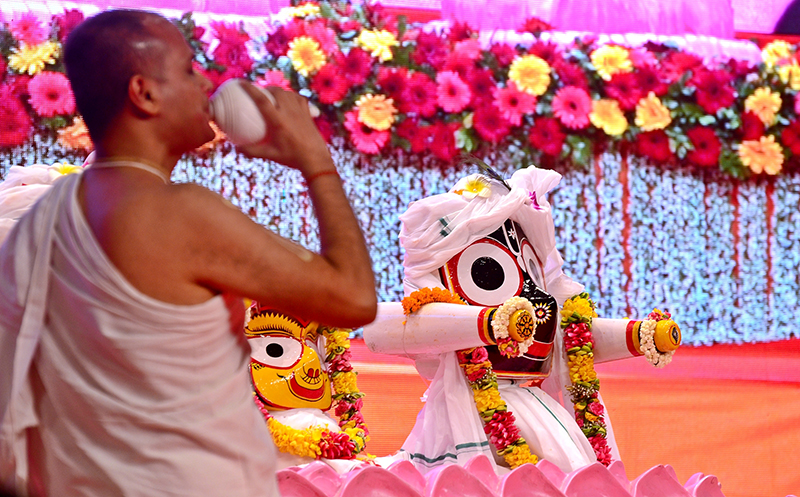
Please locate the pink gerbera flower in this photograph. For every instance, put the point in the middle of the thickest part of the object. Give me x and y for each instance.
(572, 105)
(419, 96)
(365, 139)
(27, 29)
(514, 104)
(325, 36)
(452, 94)
(51, 94)
(274, 78)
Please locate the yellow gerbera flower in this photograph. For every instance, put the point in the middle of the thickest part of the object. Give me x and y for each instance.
(775, 52)
(651, 114)
(530, 73)
(764, 103)
(763, 155)
(607, 116)
(611, 59)
(379, 43)
(790, 75)
(376, 111)
(306, 55)
(32, 59)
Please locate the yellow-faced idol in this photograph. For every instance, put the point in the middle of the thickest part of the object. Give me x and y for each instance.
(285, 364)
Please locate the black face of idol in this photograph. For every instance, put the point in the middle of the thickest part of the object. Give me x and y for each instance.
(492, 270)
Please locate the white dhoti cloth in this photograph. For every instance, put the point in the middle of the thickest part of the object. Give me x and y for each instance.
(449, 430)
(128, 395)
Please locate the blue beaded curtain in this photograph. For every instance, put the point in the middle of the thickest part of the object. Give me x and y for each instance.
(721, 255)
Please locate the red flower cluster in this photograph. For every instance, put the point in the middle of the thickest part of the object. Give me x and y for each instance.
(16, 125)
(654, 145)
(707, 146)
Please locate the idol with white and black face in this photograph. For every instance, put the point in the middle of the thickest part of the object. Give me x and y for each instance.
(495, 268)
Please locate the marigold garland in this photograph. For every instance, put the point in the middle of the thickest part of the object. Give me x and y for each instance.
(417, 299)
(576, 320)
(317, 441)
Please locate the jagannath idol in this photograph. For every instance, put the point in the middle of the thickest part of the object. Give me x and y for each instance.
(293, 366)
(506, 339)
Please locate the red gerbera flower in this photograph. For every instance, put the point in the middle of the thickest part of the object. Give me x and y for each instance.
(482, 84)
(430, 50)
(649, 80)
(707, 146)
(17, 86)
(418, 136)
(460, 64)
(392, 80)
(654, 144)
(752, 126)
(443, 140)
(364, 138)
(229, 33)
(419, 96)
(355, 66)
(624, 88)
(548, 51)
(3, 68)
(325, 127)
(278, 42)
(322, 34)
(790, 137)
(329, 84)
(714, 91)
(534, 25)
(234, 57)
(740, 68)
(67, 21)
(460, 31)
(571, 75)
(546, 135)
(490, 124)
(504, 53)
(676, 64)
(15, 123)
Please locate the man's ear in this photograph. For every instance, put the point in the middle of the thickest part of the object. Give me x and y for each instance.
(144, 95)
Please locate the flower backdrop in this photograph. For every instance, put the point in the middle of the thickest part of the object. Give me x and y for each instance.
(681, 180)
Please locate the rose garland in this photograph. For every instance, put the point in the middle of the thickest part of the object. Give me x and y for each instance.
(319, 442)
(576, 321)
(499, 422)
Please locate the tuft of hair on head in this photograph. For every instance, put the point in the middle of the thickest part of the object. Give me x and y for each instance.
(101, 55)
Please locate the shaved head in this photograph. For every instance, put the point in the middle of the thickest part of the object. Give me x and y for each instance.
(101, 56)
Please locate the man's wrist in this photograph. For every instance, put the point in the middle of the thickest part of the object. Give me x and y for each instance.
(325, 172)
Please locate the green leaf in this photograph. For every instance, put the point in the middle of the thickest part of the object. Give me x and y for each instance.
(326, 11)
(464, 140)
(707, 120)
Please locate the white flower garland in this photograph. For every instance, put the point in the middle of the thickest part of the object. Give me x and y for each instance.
(502, 319)
(647, 332)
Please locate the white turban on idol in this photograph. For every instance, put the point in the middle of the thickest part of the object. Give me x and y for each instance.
(438, 227)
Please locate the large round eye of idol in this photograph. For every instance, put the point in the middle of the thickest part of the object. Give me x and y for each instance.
(275, 351)
(531, 263)
(485, 273)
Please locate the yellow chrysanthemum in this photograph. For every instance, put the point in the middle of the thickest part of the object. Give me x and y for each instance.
(32, 59)
(651, 114)
(76, 136)
(790, 75)
(530, 73)
(611, 59)
(376, 111)
(339, 339)
(607, 116)
(487, 399)
(775, 52)
(764, 103)
(519, 455)
(345, 383)
(306, 55)
(764, 155)
(378, 43)
(303, 443)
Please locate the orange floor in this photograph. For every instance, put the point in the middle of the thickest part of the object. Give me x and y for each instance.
(731, 411)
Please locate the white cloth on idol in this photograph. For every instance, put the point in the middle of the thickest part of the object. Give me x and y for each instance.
(129, 395)
(449, 429)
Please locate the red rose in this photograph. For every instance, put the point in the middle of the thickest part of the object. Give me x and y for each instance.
(707, 146)
(654, 144)
(546, 135)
